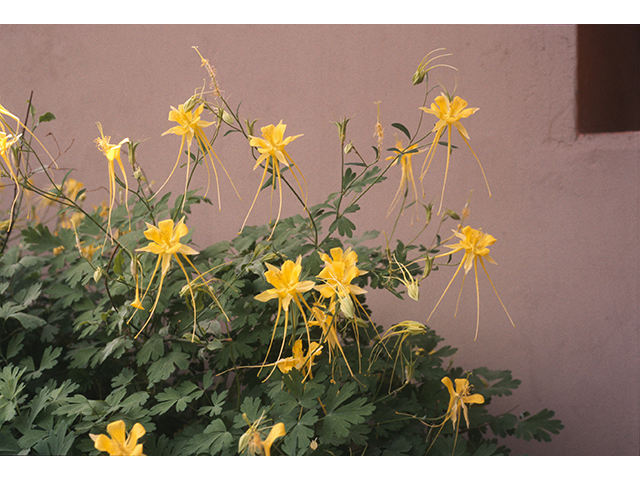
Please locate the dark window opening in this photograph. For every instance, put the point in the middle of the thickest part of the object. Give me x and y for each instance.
(608, 78)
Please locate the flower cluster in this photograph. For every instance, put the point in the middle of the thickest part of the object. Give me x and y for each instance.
(339, 271)
(320, 319)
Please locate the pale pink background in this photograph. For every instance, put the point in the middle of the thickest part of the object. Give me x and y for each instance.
(564, 206)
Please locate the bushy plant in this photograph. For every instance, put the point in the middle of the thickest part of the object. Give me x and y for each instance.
(117, 336)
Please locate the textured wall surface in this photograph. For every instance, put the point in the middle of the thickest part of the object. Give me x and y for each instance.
(564, 208)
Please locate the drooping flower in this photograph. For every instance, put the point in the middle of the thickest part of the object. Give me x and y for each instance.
(112, 152)
(271, 148)
(251, 441)
(449, 114)
(165, 242)
(299, 360)
(412, 284)
(475, 244)
(327, 322)
(378, 132)
(118, 443)
(406, 175)
(329, 331)
(402, 331)
(7, 140)
(288, 288)
(459, 399)
(4, 111)
(189, 126)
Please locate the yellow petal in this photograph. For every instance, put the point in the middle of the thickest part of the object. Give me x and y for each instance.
(277, 431)
(116, 431)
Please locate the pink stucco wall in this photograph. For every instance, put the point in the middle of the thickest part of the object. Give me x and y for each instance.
(564, 208)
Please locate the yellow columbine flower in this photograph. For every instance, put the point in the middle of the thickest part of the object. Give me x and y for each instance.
(459, 399)
(449, 114)
(406, 176)
(288, 287)
(271, 147)
(299, 360)
(189, 126)
(338, 273)
(165, 242)
(475, 244)
(251, 441)
(117, 443)
(112, 152)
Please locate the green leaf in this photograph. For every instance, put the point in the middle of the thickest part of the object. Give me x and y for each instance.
(10, 389)
(252, 408)
(47, 117)
(162, 368)
(77, 405)
(48, 361)
(340, 418)
(179, 397)
(402, 128)
(344, 225)
(40, 239)
(152, 349)
(503, 425)
(133, 401)
(298, 437)
(27, 296)
(15, 345)
(211, 441)
(218, 401)
(493, 382)
(58, 443)
(116, 348)
(28, 321)
(123, 379)
(538, 426)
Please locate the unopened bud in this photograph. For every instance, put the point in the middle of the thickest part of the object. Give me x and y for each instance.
(244, 441)
(348, 148)
(250, 126)
(418, 77)
(413, 289)
(227, 117)
(346, 307)
(413, 328)
(189, 104)
(97, 275)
